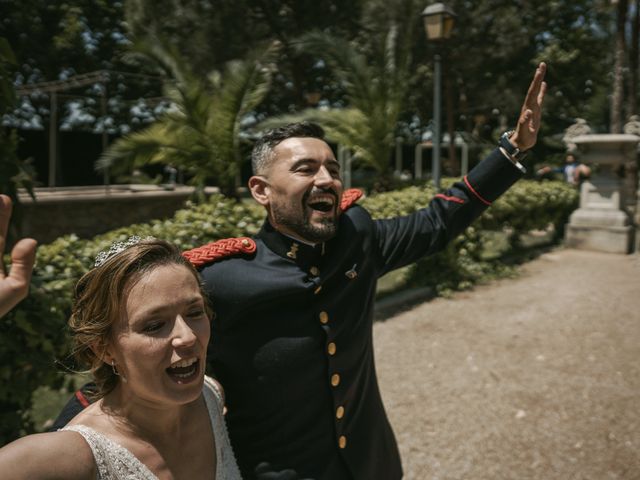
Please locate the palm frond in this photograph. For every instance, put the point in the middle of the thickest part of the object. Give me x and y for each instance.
(348, 64)
(376, 89)
(348, 127)
(202, 133)
(136, 149)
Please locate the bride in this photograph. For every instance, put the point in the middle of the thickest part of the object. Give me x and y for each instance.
(141, 324)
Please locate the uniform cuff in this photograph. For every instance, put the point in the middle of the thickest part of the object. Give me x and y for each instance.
(493, 176)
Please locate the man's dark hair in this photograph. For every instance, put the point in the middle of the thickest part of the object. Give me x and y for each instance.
(263, 149)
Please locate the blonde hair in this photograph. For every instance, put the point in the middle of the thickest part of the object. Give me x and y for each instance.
(98, 300)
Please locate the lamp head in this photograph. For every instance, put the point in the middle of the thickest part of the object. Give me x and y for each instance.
(439, 20)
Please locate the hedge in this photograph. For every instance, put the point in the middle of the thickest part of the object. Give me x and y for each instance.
(33, 343)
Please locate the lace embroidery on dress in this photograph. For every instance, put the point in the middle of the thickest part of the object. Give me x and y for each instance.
(115, 462)
(227, 467)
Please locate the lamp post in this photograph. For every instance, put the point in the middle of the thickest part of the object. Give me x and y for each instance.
(438, 23)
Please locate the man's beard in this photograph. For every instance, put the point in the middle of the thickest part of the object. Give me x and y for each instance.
(299, 223)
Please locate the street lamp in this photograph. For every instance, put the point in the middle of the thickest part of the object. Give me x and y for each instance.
(438, 23)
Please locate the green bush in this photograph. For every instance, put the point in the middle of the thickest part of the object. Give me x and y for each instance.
(527, 206)
(33, 344)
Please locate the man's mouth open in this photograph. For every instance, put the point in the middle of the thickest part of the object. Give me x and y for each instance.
(323, 203)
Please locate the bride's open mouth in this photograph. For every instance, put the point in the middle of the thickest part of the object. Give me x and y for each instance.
(185, 370)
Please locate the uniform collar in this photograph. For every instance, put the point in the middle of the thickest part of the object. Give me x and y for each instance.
(290, 248)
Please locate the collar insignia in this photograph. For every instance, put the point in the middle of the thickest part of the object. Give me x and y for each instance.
(293, 253)
(351, 273)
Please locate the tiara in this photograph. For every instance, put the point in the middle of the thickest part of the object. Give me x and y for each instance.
(116, 248)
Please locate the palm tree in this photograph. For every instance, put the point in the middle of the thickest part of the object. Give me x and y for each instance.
(202, 131)
(375, 89)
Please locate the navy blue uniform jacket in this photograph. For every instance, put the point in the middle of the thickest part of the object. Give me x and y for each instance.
(292, 335)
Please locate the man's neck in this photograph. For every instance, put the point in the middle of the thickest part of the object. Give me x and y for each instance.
(288, 234)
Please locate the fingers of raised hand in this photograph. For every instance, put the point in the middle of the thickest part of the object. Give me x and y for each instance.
(23, 256)
(5, 214)
(537, 88)
(15, 286)
(543, 90)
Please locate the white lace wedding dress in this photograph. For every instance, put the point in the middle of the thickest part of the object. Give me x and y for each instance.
(115, 462)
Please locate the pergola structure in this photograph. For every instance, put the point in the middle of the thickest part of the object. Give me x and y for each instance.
(53, 90)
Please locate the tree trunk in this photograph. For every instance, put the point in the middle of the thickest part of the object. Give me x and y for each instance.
(632, 101)
(618, 69)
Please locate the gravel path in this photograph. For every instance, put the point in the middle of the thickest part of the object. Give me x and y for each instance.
(536, 377)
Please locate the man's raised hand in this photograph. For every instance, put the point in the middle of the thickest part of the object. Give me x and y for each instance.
(526, 132)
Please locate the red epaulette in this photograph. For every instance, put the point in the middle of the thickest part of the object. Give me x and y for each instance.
(349, 197)
(218, 250)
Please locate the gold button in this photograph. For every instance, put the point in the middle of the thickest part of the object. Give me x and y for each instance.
(314, 271)
(324, 318)
(317, 290)
(331, 348)
(245, 243)
(340, 412)
(335, 380)
(342, 441)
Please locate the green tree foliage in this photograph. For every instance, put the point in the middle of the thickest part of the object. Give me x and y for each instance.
(14, 172)
(202, 133)
(489, 61)
(211, 32)
(57, 40)
(51, 37)
(367, 124)
(7, 64)
(487, 64)
(374, 77)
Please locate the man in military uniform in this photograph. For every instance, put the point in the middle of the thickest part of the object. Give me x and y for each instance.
(292, 338)
(292, 335)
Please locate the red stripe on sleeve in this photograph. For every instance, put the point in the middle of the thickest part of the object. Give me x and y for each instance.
(451, 199)
(486, 202)
(82, 399)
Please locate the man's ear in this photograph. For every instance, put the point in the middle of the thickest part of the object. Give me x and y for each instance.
(260, 189)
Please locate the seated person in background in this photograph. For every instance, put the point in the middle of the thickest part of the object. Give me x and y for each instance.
(14, 286)
(572, 171)
(141, 324)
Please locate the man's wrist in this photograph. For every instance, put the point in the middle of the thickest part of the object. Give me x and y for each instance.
(508, 148)
(513, 139)
(509, 141)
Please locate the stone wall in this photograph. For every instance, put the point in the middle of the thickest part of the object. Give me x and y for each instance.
(88, 211)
